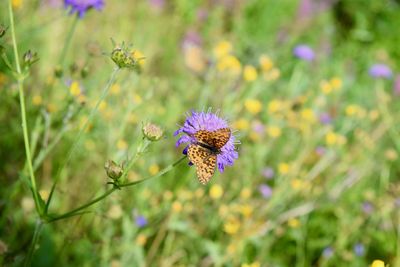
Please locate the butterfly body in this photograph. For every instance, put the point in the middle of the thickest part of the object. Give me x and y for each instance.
(203, 152)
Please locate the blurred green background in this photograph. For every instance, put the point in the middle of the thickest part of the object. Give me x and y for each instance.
(317, 178)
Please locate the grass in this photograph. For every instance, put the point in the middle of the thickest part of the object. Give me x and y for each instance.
(316, 182)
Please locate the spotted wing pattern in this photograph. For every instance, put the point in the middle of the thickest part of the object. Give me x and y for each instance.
(216, 139)
(204, 160)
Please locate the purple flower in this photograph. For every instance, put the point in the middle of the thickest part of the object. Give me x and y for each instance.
(325, 118)
(268, 173)
(359, 249)
(82, 6)
(367, 207)
(327, 252)
(380, 71)
(320, 150)
(141, 221)
(265, 190)
(304, 52)
(157, 4)
(192, 38)
(208, 121)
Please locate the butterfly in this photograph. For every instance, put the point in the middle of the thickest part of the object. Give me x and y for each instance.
(203, 153)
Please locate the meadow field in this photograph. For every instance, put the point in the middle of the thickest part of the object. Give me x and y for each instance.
(289, 112)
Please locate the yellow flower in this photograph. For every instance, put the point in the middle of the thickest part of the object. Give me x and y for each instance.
(230, 64)
(249, 73)
(296, 184)
(195, 59)
(253, 105)
(154, 169)
(326, 87)
(141, 239)
(331, 138)
(177, 206)
(115, 212)
(223, 48)
(274, 106)
(272, 75)
(102, 105)
(351, 110)
(336, 83)
(52, 108)
(241, 124)
(75, 88)
(378, 263)
(16, 3)
(245, 193)
(293, 223)
(122, 144)
(115, 89)
(37, 100)
(266, 63)
(254, 264)
(232, 226)
(246, 210)
(137, 99)
(44, 194)
(283, 168)
(391, 154)
(216, 191)
(274, 131)
(308, 115)
(139, 56)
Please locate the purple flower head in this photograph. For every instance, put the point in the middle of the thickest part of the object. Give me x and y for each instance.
(380, 71)
(265, 190)
(82, 6)
(325, 118)
(367, 207)
(304, 52)
(208, 121)
(320, 150)
(140, 221)
(268, 173)
(359, 249)
(327, 252)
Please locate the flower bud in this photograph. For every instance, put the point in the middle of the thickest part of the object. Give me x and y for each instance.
(113, 170)
(121, 56)
(30, 58)
(152, 132)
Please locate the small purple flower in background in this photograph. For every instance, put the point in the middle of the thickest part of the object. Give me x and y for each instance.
(258, 127)
(192, 38)
(208, 121)
(265, 190)
(325, 118)
(268, 173)
(304, 52)
(140, 221)
(359, 249)
(157, 4)
(380, 71)
(320, 150)
(327, 252)
(367, 207)
(202, 14)
(396, 86)
(82, 6)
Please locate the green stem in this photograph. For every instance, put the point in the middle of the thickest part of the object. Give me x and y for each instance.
(35, 239)
(79, 210)
(81, 131)
(68, 40)
(23, 114)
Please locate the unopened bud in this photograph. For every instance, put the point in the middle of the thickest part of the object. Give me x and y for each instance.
(123, 58)
(30, 58)
(113, 170)
(152, 132)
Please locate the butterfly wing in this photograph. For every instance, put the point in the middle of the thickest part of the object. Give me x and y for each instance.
(204, 161)
(216, 139)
